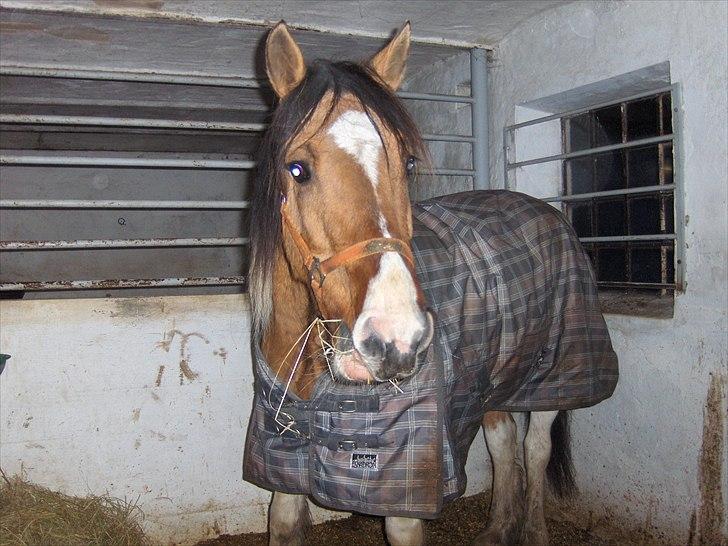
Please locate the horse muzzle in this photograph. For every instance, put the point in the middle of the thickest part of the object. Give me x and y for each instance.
(379, 359)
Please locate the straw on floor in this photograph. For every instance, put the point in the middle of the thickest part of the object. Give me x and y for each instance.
(31, 515)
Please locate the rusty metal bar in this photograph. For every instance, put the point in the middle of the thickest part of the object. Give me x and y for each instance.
(126, 204)
(37, 286)
(95, 244)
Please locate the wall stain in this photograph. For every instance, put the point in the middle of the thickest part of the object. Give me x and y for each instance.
(135, 415)
(158, 435)
(133, 307)
(27, 421)
(711, 512)
(80, 33)
(137, 443)
(158, 381)
(147, 4)
(222, 353)
(185, 372)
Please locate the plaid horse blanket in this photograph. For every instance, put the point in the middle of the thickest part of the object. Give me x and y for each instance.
(518, 328)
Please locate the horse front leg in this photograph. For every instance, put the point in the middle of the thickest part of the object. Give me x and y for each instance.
(537, 452)
(506, 505)
(288, 519)
(404, 531)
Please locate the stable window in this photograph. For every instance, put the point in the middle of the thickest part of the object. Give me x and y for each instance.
(629, 232)
(615, 175)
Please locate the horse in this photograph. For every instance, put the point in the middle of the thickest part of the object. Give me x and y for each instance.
(338, 299)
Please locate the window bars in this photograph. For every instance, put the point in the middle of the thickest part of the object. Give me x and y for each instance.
(582, 147)
(479, 171)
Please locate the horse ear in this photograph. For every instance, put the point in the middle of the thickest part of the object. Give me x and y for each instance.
(283, 60)
(389, 63)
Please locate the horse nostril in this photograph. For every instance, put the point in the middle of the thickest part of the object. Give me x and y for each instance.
(397, 363)
(374, 347)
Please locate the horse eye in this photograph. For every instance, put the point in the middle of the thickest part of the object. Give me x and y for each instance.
(299, 171)
(410, 165)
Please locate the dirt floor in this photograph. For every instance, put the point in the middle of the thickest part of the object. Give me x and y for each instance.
(460, 522)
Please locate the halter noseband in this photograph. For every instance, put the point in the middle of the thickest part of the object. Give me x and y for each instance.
(319, 269)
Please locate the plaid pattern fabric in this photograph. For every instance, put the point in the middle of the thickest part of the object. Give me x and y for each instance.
(518, 328)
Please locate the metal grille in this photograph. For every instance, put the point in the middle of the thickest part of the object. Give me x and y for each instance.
(619, 187)
(478, 141)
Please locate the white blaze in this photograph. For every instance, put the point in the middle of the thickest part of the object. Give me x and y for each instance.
(391, 300)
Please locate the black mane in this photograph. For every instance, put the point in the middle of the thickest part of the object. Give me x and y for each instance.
(292, 113)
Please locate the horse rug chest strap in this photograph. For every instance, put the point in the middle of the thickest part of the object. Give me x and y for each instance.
(300, 413)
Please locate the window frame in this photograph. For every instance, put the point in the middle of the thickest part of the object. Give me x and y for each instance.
(511, 167)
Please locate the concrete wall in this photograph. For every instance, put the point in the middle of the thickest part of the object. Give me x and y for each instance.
(139, 398)
(652, 454)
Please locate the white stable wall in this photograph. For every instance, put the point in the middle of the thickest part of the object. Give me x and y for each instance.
(142, 398)
(652, 454)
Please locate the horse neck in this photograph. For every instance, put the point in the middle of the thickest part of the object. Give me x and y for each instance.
(292, 315)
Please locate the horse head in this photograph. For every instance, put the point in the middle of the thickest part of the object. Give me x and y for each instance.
(332, 188)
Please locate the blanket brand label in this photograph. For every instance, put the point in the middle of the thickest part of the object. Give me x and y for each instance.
(368, 461)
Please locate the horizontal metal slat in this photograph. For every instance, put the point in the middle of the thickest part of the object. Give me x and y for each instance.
(110, 284)
(609, 193)
(448, 138)
(131, 122)
(189, 79)
(637, 285)
(628, 238)
(120, 204)
(96, 161)
(592, 151)
(94, 244)
(448, 172)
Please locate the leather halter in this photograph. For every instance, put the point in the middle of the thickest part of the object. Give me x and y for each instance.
(318, 269)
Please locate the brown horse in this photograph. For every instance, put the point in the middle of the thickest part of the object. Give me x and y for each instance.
(332, 277)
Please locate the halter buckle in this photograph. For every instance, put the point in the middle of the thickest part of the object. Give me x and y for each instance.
(315, 273)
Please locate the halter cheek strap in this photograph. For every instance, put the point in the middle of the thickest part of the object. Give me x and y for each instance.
(319, 269)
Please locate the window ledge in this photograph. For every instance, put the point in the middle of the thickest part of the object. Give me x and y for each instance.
(637, 303)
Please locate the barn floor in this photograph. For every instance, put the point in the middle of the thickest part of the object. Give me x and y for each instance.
(460, 523)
